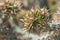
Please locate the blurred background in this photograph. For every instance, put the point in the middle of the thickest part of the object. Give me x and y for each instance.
(17, 16)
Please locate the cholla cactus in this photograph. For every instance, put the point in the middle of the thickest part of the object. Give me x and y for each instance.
(8, 9)
(36, 20)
